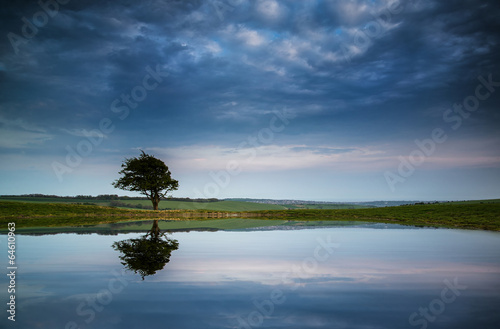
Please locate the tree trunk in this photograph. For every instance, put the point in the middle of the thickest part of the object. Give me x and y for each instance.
(155, 200)
(155, 230)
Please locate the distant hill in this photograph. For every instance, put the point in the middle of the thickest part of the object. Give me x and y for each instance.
(303, 204)
(232, 204)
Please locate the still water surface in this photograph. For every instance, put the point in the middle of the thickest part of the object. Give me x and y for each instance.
(373, 276)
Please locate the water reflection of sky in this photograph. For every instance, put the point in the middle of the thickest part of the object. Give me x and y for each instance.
(373, 279)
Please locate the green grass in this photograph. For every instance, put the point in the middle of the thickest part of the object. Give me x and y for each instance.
(474, 215)
(217, 205)
(229, 206)
(483, 215)
(60, 214)
(477, 201)
(37, 214)
(327, 206)
(164, 204)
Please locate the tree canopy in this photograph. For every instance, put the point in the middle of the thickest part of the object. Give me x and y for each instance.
(146, 256)
(147, 175)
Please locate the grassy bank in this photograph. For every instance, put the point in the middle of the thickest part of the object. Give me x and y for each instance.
(173, 204)
(220, 205)
(484, 215)
(63, 214)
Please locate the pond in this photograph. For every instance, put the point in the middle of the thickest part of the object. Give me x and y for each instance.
(368, 276)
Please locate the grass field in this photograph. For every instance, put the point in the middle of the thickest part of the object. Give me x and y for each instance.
(483, 215)
(220, 205)
(225, 205)
(327, 206)
(164, 204)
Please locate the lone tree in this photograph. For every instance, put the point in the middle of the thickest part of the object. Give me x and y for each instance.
(148, 175)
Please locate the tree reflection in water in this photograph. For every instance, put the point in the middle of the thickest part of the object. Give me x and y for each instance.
(148, 254)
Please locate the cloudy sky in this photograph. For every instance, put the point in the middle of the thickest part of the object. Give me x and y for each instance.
(320, 100)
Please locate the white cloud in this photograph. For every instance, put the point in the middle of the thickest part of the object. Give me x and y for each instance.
(21, 134)
(251, 38)
(79, 132)
(15, 139)
(21, 123)
(213, 47)
(351, 11)
(271, 157)
(270, 9)
(243, 34)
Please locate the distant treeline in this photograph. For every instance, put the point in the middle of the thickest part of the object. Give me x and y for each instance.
(420, 203)
(102, 197)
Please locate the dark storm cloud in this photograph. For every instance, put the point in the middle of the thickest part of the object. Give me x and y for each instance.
(230, 67)
(109, 43)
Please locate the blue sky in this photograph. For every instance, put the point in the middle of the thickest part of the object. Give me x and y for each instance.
(319, 100)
